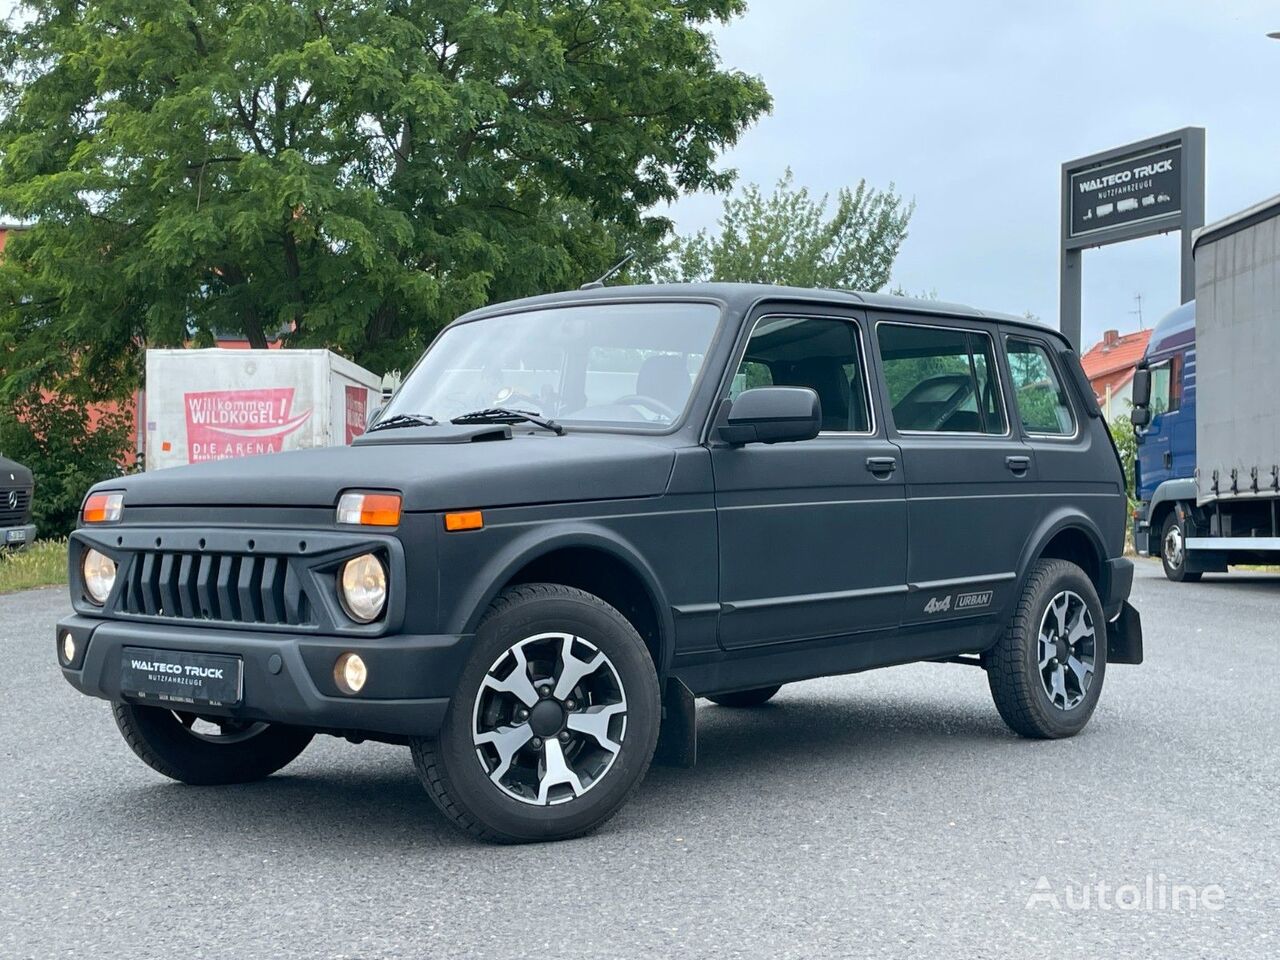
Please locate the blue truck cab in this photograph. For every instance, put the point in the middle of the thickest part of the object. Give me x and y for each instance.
(1167, 446)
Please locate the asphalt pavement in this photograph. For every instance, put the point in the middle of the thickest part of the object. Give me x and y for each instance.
(885, 814)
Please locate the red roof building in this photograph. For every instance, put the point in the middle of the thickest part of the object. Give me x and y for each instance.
(1109, 364)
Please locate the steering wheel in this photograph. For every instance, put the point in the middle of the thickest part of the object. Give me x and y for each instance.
(640, 400)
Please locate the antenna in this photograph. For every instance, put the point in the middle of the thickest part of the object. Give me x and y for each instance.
(597, 284)
(1138, 299)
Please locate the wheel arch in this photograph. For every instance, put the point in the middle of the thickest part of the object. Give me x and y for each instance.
(1166, 497)
(1072, 536)
(590, 558)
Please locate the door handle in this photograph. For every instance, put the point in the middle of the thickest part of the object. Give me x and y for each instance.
(882, 466)
(1168, 459)
(1018, 465)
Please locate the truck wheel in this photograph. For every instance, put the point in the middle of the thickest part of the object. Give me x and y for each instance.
(206, 752)
(1173, 550)
(1046, 671)
(746, 698)
(553, 723)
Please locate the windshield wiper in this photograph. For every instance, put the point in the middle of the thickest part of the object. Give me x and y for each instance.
(404, 420)
(509, 415)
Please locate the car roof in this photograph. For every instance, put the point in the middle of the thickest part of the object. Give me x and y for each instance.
(741, 297)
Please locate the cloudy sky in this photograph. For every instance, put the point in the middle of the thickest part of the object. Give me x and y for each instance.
(971, 108)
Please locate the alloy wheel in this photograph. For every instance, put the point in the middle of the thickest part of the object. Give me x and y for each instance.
(1173, 547)
(549, 719)
(1068, 650)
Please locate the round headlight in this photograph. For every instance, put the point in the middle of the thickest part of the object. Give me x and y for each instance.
(363, 588)
(99, 575)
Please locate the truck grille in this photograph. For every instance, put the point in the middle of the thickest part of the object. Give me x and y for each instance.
(12, 514)
(234, 588)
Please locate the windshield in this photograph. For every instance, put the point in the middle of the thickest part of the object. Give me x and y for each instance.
(623, 364)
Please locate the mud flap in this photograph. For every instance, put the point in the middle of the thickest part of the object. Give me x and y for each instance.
(678, 735)
(1124, 636)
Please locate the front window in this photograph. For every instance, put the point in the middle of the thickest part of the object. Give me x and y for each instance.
(626, 364)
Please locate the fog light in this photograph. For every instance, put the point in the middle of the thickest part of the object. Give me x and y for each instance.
(99, 575)
(362, 585)
(350, 673)
(68, 647)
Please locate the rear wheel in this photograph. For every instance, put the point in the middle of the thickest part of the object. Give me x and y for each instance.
(553, 723)
(746, 698)
(1046, 671)
(1173, 550)
(205, 751)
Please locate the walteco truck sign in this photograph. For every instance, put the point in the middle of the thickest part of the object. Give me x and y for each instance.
(1133, 190)
(1137, 190)
(204, 405)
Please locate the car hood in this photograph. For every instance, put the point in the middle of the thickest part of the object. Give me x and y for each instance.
(12, 472)
(440, 471)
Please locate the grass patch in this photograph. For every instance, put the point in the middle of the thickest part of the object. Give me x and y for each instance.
(42, 564)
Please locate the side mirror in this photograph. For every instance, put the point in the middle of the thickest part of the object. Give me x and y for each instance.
(372, 418)
(772, 415)
(1140, 416)
(1141, 388)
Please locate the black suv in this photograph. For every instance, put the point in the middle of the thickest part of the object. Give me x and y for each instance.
(580, 511)
(16, 487)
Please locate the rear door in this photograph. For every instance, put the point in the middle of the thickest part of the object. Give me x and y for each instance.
(967, 472)
(812, 534)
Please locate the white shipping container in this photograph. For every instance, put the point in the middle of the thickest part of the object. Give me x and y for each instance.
(220, 404)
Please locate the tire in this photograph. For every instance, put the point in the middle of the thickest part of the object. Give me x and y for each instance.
(487, 770)
(1021, 666)
(1173, 550)
(746, 698)
(174, 745)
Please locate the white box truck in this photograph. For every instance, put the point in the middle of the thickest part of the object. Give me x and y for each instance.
(219, 404)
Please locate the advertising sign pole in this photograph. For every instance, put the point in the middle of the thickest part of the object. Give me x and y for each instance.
(1138, 190)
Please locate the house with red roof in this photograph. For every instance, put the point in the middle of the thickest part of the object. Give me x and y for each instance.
(1109, 364)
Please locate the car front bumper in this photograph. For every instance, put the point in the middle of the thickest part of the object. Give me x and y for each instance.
(287, 678)
(18, 536)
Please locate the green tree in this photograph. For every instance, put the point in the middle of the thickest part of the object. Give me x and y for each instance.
(787, 237)
(353, 173)
(53, 436)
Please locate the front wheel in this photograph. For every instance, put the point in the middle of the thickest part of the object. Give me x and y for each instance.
(1046, 670)
(553, 722)
(1173, 550)
(207, 752)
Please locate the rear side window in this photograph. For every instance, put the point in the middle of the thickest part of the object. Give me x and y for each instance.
(1042, 401)
(822, 354)
(941, 380)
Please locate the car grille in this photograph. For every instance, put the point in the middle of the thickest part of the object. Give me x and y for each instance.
(10, 515)
(234, 588)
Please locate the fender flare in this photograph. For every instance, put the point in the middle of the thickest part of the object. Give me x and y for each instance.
(1060, 519)
(1171, 491)
(536, 543)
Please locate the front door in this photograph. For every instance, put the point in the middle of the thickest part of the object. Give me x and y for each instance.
(812, 534)
(969, 476)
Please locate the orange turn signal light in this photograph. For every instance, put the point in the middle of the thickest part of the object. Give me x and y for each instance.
(369, 509)
(466, 520)
(103, 507)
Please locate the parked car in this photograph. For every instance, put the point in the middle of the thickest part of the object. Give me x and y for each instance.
(16, 491)
(581, 511)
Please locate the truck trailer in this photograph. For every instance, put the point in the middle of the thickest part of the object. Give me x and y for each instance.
(1207, 408)
(219, 404)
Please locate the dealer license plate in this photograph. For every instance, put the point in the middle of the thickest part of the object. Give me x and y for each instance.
(177, 676)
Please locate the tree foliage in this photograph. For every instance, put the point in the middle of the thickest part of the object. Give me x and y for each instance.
(353, 173)
(53, 437)
(787, 237)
